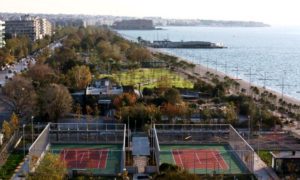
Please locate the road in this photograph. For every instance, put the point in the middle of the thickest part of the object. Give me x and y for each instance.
(22, 64)
(10, 71)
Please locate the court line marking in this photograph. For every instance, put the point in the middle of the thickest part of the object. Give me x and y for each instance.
(173, 150)
(214, 154)
(106, 150)
(180, 158)
(99, 159)
(82, 157)
(173, 156)
(227, 167)
(66, 152)
(200, 162)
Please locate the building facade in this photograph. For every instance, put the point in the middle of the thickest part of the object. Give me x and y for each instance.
(2, 42)
(45, 27)
(33, 27)
(134, 24)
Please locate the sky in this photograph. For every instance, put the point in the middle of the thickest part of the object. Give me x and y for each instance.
(274, 12)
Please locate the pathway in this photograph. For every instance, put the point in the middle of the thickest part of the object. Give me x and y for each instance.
(262, 171)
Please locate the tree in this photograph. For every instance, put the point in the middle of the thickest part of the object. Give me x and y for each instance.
(169, 171)
(64, 59)
(230, 114)
(89, 111)
(125, 99)
(41, 75)
(51, 167)
(96, 110)
(79, 77)
(78, 111)
(14, 121)
(172, 96)
(139, 114)
(21, 95)
(139, 54)
(7, 130)
(108, 51)
(5, 57)
(54, 101)
(171, 110)
(164, 82)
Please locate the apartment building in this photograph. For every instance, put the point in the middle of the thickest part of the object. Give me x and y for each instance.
(2, 42)
(33, 27)
(45, 27)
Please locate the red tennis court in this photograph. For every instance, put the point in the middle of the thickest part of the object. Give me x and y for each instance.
(83, 158)
(199, 159)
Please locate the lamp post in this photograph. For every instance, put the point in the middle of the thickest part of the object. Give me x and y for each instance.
(32, 117)
(24, 139)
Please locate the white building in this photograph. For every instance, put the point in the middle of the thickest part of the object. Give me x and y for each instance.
(45, 27)
(2, 42)
(104, 87)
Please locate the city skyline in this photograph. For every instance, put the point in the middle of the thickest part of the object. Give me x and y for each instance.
(270, 12)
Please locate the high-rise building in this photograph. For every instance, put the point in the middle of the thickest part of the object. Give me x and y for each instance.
(45, 27)
(2, 42)
(33, 27)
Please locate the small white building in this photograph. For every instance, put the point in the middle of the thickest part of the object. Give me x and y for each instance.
(1, 138)
(2, 42)
(104, 86)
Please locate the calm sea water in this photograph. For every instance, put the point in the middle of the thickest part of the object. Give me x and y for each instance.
(272, 53)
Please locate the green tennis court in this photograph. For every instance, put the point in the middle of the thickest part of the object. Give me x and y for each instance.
(98, 159)
(203, 159)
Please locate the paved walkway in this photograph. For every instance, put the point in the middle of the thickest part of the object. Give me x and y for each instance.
(262, 171)
(140, 146)
(140, 162)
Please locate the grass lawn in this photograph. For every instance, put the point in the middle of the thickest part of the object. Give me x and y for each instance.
(150, 78)
(266, 157)
(7, 170)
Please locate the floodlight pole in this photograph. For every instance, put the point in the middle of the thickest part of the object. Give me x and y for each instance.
(250, 74)
(237, 70)
(128, 132)
(24, 139)
(207, 61)
(265, 79)
(225, 66)
(32, 117)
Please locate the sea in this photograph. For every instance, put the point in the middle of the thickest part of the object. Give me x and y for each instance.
(265, 56)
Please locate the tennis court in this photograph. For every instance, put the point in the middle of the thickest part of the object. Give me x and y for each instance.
(203, 159)
(99, 159)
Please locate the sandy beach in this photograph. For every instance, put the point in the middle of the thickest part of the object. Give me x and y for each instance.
(201, 70)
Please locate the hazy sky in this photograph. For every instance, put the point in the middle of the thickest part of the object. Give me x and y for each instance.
(275, 12)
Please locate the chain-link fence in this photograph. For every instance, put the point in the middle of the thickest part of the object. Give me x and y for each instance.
(216, 140)
(74, 141)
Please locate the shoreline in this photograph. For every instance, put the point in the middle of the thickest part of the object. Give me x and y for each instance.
(244, 84)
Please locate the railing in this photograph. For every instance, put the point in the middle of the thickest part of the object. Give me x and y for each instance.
(238, 143)
(156, 148)
(123, 157)
(198, 134)
(39, 147)
(8, 146)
